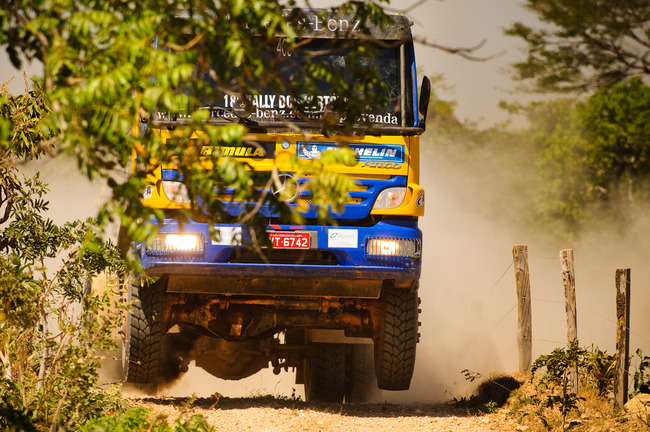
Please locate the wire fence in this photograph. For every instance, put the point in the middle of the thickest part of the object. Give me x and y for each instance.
(503, 287)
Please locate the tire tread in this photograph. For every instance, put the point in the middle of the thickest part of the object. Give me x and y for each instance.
(146, 333)
(395, 349)
(327, 373)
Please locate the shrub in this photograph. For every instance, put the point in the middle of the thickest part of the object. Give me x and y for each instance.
(140, 420)
(51, 329)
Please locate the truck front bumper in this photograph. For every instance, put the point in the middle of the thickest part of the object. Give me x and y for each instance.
(339, 262)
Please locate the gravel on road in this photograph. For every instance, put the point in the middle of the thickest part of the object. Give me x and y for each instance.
(278, 415)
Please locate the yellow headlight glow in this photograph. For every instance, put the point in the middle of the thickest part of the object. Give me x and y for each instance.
(175, 243)
(393, 247)
(181, 242)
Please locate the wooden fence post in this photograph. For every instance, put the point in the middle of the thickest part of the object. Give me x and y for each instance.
(622, 337)
(569, 280)
(524, 323)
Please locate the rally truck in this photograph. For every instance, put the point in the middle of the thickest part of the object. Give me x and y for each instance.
(337, 303)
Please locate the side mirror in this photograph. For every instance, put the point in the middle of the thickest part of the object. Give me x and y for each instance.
(425, 96)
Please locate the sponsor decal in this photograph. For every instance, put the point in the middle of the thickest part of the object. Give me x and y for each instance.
(273, 107)
(342, 238)
(249, 149)
(386, 118)
(277, 107)
(311, 152)
(319, 23)
(228, 236)
(279, 102)
(259, 150)
(147, 193)
(388, 153)
(385, 165)
(420, 200)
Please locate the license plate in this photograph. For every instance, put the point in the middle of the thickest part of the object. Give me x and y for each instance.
(290, 240)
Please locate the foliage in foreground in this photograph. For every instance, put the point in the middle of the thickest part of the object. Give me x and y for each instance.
(100, 57)
(140, 420)
(52, 330)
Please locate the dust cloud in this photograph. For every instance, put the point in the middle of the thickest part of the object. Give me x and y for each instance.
(469, 316)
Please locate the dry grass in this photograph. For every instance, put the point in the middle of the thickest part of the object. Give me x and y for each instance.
(593, 413)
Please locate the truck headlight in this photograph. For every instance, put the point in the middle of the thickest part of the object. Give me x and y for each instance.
(177, 244)
(393, 247)
(176, 191)
(390, 198)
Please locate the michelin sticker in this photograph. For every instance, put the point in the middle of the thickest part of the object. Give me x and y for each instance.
(311, 152)
(342, 238)
(147, 193)
(387, 153)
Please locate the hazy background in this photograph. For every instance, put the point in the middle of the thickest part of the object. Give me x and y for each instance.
(468, 286)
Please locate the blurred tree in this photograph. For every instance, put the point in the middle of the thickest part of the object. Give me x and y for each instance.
(617, 133)
(584, 44)
(593, 155)
(559, 146)
(108, 63)
(577, 159)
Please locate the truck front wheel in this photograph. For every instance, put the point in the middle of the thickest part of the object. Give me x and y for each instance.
(398, 337)
(144, 332)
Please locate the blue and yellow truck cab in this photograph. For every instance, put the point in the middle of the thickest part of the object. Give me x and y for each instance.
(325, 300)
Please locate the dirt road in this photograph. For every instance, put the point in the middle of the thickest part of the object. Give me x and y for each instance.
(278, 415)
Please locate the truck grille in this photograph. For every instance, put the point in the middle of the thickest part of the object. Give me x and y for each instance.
(284, 256)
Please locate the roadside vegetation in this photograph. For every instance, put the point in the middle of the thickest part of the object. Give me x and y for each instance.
(547, 402)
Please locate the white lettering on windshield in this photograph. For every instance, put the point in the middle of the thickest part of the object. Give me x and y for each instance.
(271, 101)
(318, 24)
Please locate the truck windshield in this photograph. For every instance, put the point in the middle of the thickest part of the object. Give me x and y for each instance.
(269, 105)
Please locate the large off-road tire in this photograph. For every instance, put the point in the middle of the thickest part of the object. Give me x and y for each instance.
(398, 337)
(144, 332)
(324, 373)
(360, 379)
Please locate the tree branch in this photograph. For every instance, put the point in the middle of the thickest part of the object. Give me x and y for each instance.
(465, 52)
